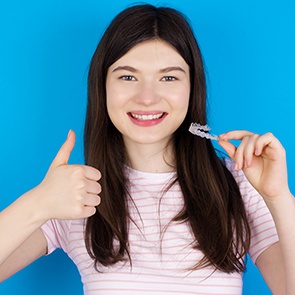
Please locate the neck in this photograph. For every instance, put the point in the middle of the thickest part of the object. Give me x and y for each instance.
(150, 158)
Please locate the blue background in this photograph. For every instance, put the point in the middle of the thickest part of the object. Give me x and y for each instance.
(45, 49)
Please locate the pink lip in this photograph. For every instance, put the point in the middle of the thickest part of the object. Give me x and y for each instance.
(147, 123)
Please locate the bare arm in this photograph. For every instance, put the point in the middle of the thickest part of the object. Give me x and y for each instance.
(30, 250)
(67, 192)
(271, 266)
(279, 261)
(263, 161)
(17, 223)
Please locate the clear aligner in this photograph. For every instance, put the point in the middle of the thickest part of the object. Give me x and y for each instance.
(202, 131)
(198, 126)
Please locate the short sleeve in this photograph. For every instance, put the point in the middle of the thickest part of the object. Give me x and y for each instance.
(263, 230)
(56, 233)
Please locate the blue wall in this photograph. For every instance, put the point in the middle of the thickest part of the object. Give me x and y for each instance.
(45, 49)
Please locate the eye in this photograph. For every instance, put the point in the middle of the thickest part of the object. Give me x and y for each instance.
(169, 78)
(128, 78)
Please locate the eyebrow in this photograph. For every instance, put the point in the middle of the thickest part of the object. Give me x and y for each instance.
(164, 70)
(126, 68)
(171, 69)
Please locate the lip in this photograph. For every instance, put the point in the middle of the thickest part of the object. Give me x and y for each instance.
(148, 122)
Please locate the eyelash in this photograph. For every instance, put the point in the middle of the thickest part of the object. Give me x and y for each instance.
(166, 78)
(127, 78)
(169, 78)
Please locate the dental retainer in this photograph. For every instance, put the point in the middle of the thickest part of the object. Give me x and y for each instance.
(202, 131)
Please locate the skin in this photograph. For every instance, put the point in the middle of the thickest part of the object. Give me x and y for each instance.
(263, 160)
(66, 192)
(72, 191)
(158, 84)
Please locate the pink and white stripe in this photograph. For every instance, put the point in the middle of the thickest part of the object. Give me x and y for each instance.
(161, 251)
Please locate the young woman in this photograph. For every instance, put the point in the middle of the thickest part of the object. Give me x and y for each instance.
(156, 211)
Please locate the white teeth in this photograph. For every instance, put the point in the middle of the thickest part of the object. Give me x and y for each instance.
(146, 117)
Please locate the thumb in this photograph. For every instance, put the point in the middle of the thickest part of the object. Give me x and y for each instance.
(228, 147)
(63, 155)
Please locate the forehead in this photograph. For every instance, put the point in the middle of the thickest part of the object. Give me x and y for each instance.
(151, 54)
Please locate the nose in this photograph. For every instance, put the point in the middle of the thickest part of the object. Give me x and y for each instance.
(147, 93)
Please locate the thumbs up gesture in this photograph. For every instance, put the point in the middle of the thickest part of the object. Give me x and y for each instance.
(68, 191)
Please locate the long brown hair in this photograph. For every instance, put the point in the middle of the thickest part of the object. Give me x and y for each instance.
(213, 205)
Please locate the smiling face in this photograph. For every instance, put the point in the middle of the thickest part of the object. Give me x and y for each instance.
(148, 93)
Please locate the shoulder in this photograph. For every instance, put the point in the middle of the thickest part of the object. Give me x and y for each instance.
(249, 194)
(239, 175)
(58, 232)
(253, 201)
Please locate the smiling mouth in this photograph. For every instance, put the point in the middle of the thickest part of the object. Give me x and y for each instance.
(146, 117)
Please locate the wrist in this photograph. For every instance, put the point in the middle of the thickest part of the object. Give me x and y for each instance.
(34, 206)
(282, 198)
(282, 209)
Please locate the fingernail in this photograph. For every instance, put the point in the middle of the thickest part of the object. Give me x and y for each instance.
(236, 166)
(69, 133)
(223, 137)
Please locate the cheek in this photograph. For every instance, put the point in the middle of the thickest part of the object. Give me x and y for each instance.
(114, 104)
(181, 99)
(112, 99)
(109, 104)
(181, 105)
(108, 96)
(117, 96)
(113, 96)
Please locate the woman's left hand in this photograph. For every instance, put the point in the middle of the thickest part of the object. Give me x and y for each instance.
(262, 158)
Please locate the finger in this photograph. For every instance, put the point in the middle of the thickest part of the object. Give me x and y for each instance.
(244, 152)
(228, 147)
(265, 140)
(93, 187)
(64, 153)
(235, 135)
(92, 173)
(92, 200)
(238, 157)
(88, 211)
(247, 149)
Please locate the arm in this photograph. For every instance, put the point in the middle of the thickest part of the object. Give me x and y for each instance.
(279, 260)
(263, 161)
(33, 248)
(67, 192)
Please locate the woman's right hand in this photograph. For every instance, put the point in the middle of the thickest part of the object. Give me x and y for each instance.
(68, 191)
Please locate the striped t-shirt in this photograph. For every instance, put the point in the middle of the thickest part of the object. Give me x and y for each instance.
(161, 250)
